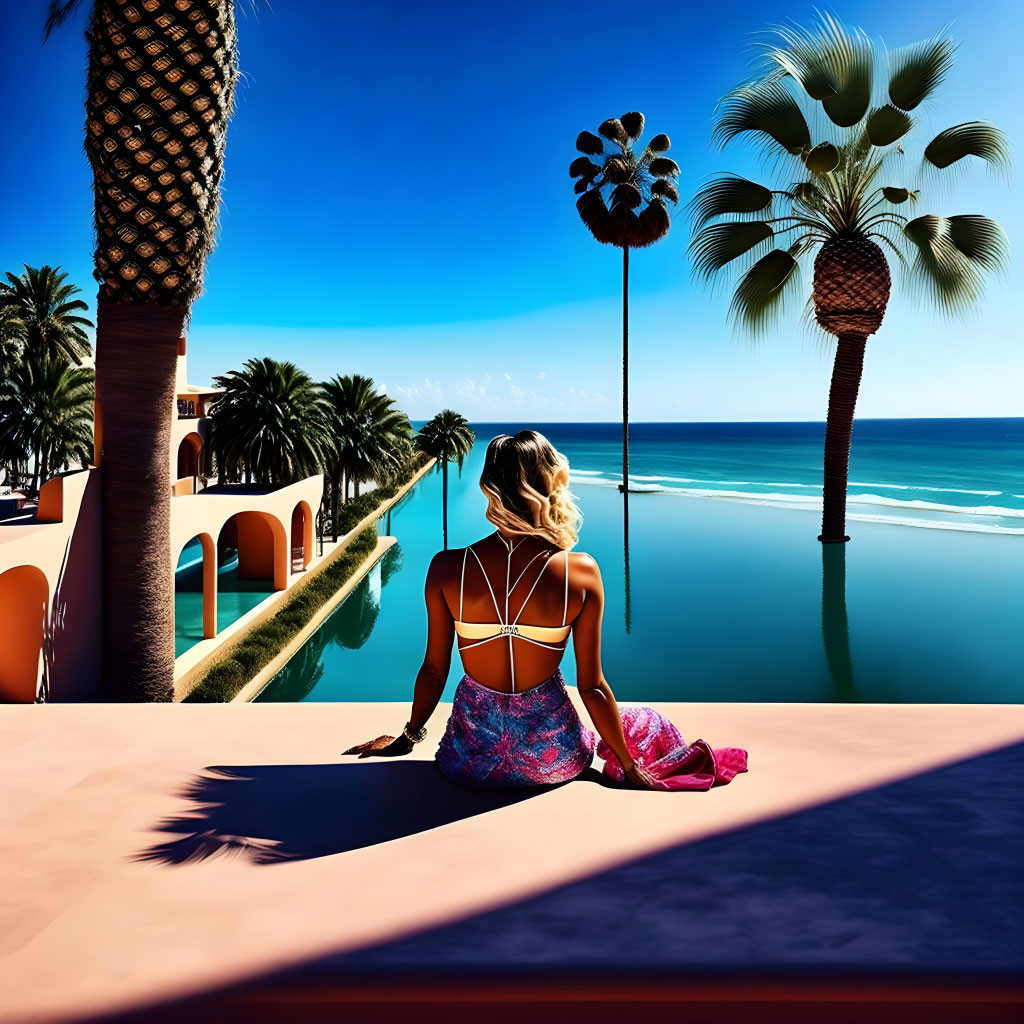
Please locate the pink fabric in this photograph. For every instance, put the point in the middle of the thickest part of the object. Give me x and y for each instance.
(654, 742)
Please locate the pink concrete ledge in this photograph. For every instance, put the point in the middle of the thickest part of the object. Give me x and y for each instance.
(227, 857)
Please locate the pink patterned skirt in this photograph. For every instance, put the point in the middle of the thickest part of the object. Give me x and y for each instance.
(536, 738)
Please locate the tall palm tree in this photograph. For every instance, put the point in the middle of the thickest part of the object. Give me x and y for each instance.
(159, 91)
(369, 437)
(447, 438)
(268, 423)
(40, 302)
(622, 203)
(844, 181)
(46, 411)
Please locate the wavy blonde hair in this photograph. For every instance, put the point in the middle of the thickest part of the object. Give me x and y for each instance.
(526, 481)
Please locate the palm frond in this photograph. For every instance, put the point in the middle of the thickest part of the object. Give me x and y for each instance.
(652, 224)
(583, 166)
(822, 159)
(587, 142)
(627, 195)
(728, 194)
(974, 138)
(887, 124)
(665, 189)
(57, 13)
(663, 167)
(916, 71)
(765, 109)
(595, 215)
(952, 257)
(659, 144)
(832, 64)
(895, 195)
(762, 292)
(612, 129)
(633, 122)
(980, 239)
(715, 246)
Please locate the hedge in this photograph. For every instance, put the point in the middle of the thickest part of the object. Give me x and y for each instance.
(355, 510)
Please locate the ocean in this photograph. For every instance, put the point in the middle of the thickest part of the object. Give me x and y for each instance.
(954, 474)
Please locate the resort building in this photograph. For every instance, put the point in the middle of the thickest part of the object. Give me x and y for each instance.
(233, 546)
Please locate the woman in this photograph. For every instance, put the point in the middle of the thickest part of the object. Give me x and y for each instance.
(513, 600)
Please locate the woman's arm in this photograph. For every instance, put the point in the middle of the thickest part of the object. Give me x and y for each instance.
(433, 673)
(590, 681)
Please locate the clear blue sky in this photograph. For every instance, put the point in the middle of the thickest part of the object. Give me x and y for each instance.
(397, 203)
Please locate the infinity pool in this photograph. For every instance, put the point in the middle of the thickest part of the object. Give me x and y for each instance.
(724, 602)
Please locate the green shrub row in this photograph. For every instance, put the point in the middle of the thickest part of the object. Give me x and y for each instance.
(356, 509)
(253, 653)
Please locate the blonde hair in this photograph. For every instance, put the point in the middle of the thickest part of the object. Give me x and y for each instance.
(526, 481)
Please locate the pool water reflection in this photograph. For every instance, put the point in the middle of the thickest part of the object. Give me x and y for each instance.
(727, 602)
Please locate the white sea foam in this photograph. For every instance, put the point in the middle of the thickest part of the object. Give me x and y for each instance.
(922, 487)
(812, 502)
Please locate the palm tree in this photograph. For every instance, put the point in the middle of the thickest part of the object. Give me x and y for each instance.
(46, 411)
(447, 438)
(159, 92)
(369, 437)
(38, 304)
(268, 423)
(614, 187)
(844, 179)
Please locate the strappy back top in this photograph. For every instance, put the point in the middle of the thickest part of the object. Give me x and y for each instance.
(553, 637)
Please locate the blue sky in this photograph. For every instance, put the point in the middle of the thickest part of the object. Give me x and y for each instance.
(397, 203)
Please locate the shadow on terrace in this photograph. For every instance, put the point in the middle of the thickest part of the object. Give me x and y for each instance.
(910, 890)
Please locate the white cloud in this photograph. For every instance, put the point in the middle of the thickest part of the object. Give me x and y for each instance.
(468, 390)
(541, 375)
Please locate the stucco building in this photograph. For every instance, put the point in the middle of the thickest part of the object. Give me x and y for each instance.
(50, 564)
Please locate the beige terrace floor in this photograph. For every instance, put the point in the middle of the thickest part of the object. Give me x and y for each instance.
(373, 875)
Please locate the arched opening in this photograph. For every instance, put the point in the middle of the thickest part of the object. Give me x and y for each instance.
(188, 455)
(302, 536)
(252, 553)
(195, 593)
(24, 597)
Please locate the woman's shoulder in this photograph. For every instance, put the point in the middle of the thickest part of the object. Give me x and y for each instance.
(448, 563)
(582, 563)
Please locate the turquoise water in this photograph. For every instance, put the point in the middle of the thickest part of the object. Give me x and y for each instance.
(728, 598)
(235, 597)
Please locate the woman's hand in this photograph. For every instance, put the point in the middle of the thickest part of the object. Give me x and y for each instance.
(382, 746)
(639, 776)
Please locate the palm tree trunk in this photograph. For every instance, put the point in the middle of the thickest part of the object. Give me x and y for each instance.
(625, 369)
(335, 488)
(444, 501)
(842, 402)
(136, 358)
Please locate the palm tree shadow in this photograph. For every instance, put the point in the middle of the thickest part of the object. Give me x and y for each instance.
(282, 812)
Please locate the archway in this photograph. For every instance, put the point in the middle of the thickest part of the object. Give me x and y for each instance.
(188, 455)
(195, 593)
(302, 536)
(262, 545)
(24, 600)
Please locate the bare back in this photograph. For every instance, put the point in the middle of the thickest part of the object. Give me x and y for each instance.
(512, 611)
